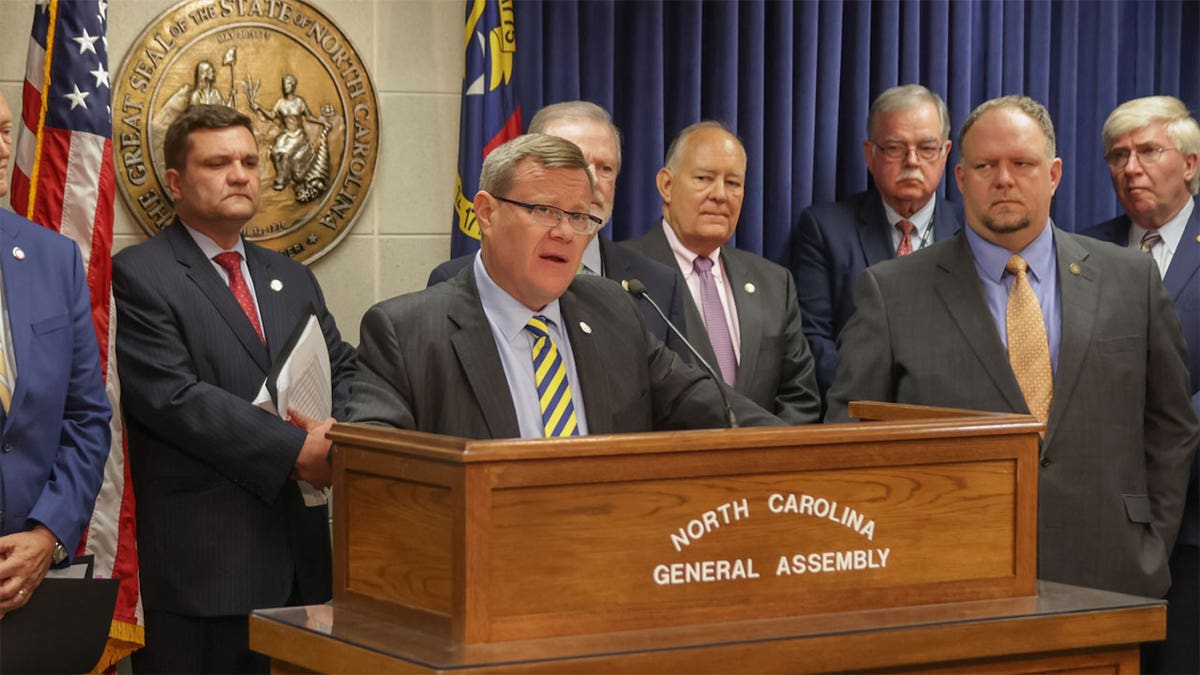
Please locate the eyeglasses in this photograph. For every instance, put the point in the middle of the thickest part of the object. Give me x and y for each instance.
(550, 216)
(1118, 158)
(926, 151)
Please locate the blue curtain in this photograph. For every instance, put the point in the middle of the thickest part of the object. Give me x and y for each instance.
(794, 80)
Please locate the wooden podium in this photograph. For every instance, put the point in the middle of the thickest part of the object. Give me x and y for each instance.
(909, 541)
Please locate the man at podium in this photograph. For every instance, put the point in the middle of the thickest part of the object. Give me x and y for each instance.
(517, 344)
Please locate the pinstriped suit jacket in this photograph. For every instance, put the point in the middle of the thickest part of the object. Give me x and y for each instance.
(1121, 431)
(221, 528)
(427, 361)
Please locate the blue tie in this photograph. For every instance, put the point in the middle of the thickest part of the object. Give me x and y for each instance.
(550, 375)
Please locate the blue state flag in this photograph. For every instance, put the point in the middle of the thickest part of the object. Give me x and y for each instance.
(490, 112)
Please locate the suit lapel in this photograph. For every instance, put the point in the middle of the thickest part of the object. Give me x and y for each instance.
(201, 272)
(873, 231)
(657, 248)
(591, 363)
(18, 302)
(749, 313)
(1079, 290)
(945, 225)
(476, 350)
(1182, 274)
(959, 288)
(271, 306)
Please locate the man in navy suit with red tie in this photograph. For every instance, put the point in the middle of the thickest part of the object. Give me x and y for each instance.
(222, 526)
(908, 143)
(1151, 145)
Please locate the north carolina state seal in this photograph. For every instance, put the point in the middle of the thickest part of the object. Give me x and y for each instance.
(291, 69)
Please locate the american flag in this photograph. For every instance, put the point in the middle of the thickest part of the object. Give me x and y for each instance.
(64, 181)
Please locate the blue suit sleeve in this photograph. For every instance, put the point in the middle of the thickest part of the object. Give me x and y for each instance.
(65, 504)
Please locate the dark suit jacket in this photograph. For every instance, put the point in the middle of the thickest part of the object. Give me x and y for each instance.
(663, 284)
(55, 437)
(1121, 432)
(831, 246)
(776, 368)
(222, 528)
(1183, 284)
(428, 361)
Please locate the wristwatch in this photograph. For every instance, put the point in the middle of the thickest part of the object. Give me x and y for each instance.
(60, 553)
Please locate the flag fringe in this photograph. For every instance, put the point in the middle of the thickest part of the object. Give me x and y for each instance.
(123, 640)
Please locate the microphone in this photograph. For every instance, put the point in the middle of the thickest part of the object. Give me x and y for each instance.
(638, 290)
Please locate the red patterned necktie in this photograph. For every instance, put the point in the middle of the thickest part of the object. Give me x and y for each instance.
(231, 261)
(905, 246)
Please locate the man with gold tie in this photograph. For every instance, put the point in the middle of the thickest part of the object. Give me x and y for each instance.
(54, 414)
(520, 346)
(1016, 315)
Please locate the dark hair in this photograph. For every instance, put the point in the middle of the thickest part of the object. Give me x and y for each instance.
(175, 147)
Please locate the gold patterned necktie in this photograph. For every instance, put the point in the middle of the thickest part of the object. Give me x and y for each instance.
(553, 386)
(6, 387)
(1028, 347)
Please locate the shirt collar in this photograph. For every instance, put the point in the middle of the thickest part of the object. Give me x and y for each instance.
(686, 257)
(210, 248)
(591, 256)
(504, 311)
(1171, 231)
(991, 259)
(921, 220)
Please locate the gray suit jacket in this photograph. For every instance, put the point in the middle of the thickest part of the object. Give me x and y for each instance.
(776, 369)
(427, 361)
(1121, 432)
(831, 246)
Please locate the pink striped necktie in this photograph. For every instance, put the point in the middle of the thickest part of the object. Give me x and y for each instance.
(714, 320)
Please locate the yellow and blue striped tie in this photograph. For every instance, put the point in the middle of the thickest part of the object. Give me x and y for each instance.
(550, 375)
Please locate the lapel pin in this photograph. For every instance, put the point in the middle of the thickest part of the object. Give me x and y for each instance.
(1198, 239)
(583, 326)
(750, 288)
(18, 253)
(276, 285)
(625, 285)
(1074, 267)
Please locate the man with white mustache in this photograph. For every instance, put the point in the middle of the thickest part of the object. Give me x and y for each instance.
(908, 142)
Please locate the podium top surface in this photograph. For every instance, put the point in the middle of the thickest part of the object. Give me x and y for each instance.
(1058, 617)
(891, 422)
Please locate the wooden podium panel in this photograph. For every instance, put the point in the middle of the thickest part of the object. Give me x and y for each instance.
(487, 541)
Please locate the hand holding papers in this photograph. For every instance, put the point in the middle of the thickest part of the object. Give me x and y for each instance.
(300, 381)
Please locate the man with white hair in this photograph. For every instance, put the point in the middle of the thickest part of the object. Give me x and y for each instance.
(908, 142)
(1151, 145)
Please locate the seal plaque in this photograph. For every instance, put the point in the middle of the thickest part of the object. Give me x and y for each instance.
(288, 67)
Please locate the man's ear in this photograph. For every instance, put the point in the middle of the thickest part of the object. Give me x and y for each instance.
(663, 180)
(173, 183)
(485, 209)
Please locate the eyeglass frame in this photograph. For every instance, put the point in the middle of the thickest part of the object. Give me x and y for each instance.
(595, 222)
(941, 148)
(1155, 151)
